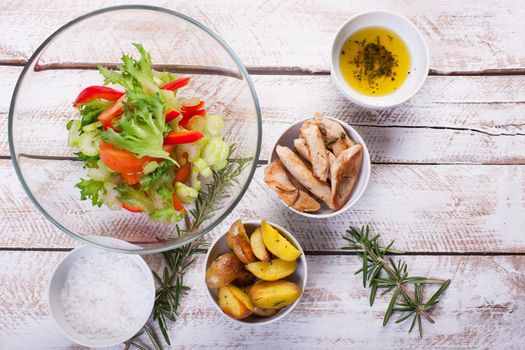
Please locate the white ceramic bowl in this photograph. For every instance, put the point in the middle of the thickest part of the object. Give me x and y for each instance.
(300, 275)
(286, 139)
(417, 47)
(58, 280)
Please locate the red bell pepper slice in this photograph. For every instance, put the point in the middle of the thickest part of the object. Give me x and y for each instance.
(176, 84)
(134, 209)
(171, 115)
(183, 173)
(177, 138)
(187, 117)
(177, 205)
(192, 108)
(97, 92)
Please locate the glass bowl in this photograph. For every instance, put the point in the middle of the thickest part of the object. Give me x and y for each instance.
(66, 63)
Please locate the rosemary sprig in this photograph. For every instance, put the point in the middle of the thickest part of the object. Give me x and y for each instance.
(390, 276)
(171, 281)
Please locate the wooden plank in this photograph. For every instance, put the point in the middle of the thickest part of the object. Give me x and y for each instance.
(482, 308)
(438, 208)
(452, 120)
(297, 35)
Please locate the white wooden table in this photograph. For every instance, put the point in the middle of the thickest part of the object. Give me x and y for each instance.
(448, 178)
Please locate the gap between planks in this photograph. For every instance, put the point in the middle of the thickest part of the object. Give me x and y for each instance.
(308, 253)
(260, 70)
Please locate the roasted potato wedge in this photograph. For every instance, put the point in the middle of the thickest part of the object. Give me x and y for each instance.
(260, 312)
(234, 302)
(274, 295)
(223, 270)
(258, 247)
(238, 241)
(273, 270)
(243, 278)
(277, 244)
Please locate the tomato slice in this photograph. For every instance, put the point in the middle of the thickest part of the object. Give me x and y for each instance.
(176, 84)
(177, 205)
(97, 92)
(116, 109)
(134, 209)
(122, 161)
(131, 179)
(181, 137)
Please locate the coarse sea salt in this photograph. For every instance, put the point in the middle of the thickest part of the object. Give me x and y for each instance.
(104, 295)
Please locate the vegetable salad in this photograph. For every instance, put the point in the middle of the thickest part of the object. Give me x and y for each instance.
(146, 149)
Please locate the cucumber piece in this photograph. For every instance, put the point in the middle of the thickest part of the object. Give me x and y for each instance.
(194, 180)
(215, 151)
(88, 144)
(214, 125)
(220, 165)
(206, 172)
(72, 136)
(186, 194)
(199, 164)
(92, 127)
(193, 149)
(150, 167)
(99, 174)
(197, 123)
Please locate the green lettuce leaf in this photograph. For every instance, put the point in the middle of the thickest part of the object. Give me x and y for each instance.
(91, 189)
(90, 161)
(91, 110)
(167, 215)
(163, 174)
(142, 126)
(134, 74)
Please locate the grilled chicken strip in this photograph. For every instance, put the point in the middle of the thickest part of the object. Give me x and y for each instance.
(300, 171)
(334, 134)
(344, 174)
(317, 150)
(302, 149)
(277, 179)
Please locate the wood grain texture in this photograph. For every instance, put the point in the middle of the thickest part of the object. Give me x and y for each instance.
(445, 208)
(462, 36)
(481, 309)
(470, 119)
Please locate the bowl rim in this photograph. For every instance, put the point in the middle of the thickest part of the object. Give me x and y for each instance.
(74, 254)
(290, 307)
(79, 19)
(344, 88)
(366, 157)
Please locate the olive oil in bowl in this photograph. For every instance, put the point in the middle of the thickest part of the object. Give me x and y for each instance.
(374, 61)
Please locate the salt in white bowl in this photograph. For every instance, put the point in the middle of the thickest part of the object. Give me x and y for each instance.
(58, 281)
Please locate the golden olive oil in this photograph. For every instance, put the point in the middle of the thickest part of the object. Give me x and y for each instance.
(374, 61)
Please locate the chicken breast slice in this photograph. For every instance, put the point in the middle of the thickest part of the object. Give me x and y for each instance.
(317, 150)
(277, 179)
(333, 133)
(302, 149)
(344, 174)
(301, 173)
